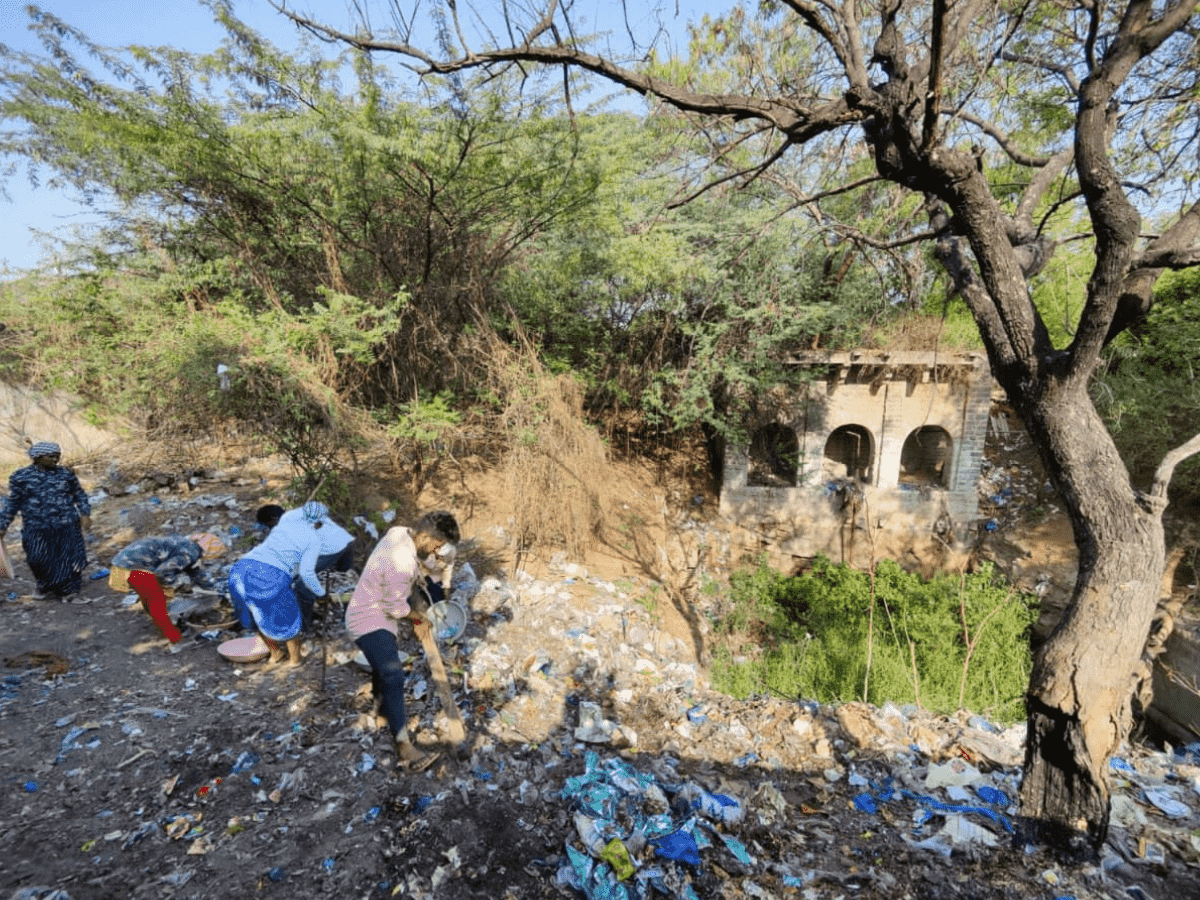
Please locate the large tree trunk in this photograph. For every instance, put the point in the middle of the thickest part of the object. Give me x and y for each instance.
(1079, 692)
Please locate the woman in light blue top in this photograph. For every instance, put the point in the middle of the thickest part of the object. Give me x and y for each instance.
(337, 547)
(260, 583)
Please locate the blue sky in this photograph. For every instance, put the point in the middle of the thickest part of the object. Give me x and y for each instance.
(178, 23)
(113, 23)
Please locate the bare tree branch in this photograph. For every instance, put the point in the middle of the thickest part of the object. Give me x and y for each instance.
(1115, 219)
(933, 96)
(799, 122)
(1001, 137)
(1166, 469)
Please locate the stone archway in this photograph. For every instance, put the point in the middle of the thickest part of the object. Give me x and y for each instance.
(849, 454)
(926, 458)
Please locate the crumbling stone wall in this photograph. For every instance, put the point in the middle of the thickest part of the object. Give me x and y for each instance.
(874, 454)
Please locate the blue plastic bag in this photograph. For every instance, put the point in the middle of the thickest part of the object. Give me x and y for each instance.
(679, 846)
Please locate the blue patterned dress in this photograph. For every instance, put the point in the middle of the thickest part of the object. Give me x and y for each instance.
(51, 502)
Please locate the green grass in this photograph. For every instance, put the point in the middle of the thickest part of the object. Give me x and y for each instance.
(835, 635)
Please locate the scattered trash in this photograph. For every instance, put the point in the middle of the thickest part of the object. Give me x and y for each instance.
(464, 585)
(623, 820)
(367, 526)
(1167, 804)
(246, 760)
(572, 644)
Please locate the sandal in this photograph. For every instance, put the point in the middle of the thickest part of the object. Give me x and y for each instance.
(412, 760)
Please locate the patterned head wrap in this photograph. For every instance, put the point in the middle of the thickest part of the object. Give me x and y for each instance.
(314, 511)
(44, 448)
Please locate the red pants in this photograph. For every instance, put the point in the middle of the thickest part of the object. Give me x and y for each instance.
(154, 601)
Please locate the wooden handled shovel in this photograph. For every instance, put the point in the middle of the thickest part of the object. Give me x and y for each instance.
(458, 733)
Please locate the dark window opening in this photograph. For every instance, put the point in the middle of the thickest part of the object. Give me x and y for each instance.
(925, 457)
(848, 455)
(774, 457)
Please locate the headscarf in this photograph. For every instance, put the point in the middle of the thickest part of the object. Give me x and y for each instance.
(44, 448)
(314, 511)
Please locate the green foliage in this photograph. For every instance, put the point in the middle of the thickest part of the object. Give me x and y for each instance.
(425, 422)
(671, 310)
(251, 177)
(946, 644)
(1149, 389)
(360, 246)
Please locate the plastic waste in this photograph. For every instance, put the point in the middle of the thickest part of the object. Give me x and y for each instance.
(962, 831)
(1122, 767)
(955, 772)
(1168, 805)
(464, 585)
(593, 841)
(1189, 754)
(866, 803)
(617, 856)
(718, 807)
(247, 760)
(680, 846)
(989, 794)
(737, 848)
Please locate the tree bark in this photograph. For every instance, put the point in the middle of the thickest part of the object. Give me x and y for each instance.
(1078, 701)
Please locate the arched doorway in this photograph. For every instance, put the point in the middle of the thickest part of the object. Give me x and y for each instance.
(926, 456)
(848, 455)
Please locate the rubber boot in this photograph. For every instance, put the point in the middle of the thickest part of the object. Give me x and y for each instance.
(154, 601)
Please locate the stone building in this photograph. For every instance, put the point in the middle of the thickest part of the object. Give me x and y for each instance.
(870, 454)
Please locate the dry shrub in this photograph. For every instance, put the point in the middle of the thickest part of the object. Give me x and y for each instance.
(555, 463)
(924, 333)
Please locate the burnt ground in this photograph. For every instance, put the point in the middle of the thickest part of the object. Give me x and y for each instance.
(132, 769)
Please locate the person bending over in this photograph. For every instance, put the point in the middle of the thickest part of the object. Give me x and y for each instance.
(260, 583)
(391, 585)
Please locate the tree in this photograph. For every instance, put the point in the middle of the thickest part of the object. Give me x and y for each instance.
(1016, 124)
(251, 177)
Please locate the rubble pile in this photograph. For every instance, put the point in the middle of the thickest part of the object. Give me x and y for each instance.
(598, 764)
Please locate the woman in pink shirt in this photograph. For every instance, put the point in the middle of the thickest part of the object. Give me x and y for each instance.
(393, 575)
